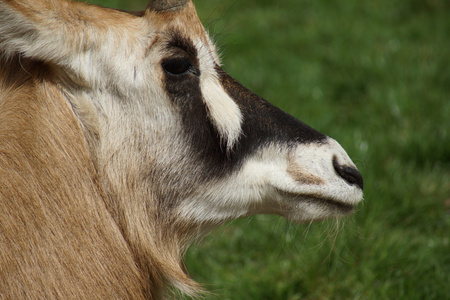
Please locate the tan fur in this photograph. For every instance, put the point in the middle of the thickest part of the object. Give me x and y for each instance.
(100, 190)
(299, 174)
(57, 240)
(167, 21)
(90, 237)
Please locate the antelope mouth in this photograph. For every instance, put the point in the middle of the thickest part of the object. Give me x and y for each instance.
(331, 204)
(328, 206)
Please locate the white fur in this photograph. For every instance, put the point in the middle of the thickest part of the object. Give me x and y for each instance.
(90, 56)
(264, 185)
(157, 187)
(115, 71)
(223, 111)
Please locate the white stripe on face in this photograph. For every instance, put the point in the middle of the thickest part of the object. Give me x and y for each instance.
(223, 111)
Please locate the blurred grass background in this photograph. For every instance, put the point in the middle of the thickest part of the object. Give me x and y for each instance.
(374, 75)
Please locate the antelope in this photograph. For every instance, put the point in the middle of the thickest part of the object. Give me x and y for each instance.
(122, 141)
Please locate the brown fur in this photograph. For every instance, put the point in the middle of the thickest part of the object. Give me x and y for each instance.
(88, 238)
(168, 21)
(95, 200)
(51, 174)
(57, 240)
(302, 176)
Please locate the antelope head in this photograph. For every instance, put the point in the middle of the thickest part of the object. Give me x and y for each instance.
(179, 146)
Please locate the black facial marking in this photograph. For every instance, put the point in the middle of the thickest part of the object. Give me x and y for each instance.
(182, 83)
(179, 45)
(262, 124)
(181, 66)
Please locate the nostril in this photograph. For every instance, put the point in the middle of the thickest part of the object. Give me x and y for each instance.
(349, 174)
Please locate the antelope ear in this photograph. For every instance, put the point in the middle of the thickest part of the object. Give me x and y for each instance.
(36, 29)
(54, 31)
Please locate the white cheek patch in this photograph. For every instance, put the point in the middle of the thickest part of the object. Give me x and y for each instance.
(223, 111)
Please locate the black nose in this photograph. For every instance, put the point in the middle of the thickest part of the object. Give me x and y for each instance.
(349, 174)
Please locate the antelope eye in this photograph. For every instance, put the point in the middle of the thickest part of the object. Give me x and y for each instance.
(177, 66)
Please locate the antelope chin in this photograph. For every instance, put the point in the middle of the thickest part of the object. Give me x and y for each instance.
(298, 207)
(307, 208)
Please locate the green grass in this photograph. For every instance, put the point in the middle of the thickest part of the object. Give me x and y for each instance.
(374, 75)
